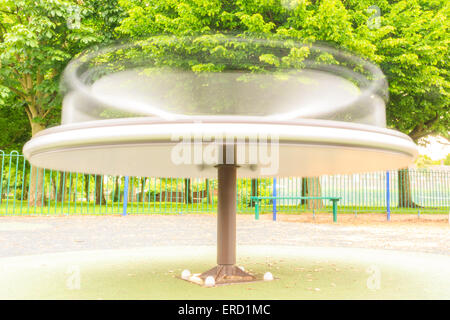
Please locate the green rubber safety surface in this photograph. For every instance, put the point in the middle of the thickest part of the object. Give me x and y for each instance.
(301, 272)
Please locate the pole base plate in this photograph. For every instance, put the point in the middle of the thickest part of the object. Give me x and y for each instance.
(226, 273)
(223, 274)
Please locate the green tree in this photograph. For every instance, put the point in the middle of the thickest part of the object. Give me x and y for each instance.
(410, 44)
(37, 39)
(187, 191)
(447, 160)
(424, 161)
(15, 132)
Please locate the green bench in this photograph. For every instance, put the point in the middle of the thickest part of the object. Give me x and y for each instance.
(257, 201)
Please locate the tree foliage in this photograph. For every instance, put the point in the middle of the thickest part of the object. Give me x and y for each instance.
(37, 39)
(410, 43)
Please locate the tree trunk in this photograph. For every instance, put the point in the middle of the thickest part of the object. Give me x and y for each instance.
(86, 187)
(25, 185)
(116, 190)
(208, 192)
(36, 187)
(70, 187)
(62, 186)
(254, 191)
(187, 191)
(53, 186)
(143, 189)
(99, 193)
(130, 189)
(311, 188)
(37, 175)
(405, 199)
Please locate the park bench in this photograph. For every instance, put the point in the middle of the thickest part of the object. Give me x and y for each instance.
(258, 199)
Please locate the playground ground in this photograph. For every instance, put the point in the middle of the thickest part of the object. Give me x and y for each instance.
(373, 219)
(137, 256)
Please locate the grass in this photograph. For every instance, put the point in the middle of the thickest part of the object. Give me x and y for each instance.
(152, 273)
(15, 207)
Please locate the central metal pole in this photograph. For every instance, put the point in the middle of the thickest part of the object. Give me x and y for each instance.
(226, 215)
(226, 270)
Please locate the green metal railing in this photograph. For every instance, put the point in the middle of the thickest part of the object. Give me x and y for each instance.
(26, 190)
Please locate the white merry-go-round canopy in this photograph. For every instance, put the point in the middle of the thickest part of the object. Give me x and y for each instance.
(182, 148)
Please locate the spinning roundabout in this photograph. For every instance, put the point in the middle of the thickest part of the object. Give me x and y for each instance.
(217, 106)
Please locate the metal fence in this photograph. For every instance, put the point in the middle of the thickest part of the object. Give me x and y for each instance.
(26, 190)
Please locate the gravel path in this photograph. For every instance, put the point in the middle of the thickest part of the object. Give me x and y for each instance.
(35, 235)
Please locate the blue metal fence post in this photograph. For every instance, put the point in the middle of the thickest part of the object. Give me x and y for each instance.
(388, 197)
(125, 196)
(274, 201)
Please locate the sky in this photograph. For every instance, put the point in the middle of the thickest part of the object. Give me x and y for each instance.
(437, 148)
